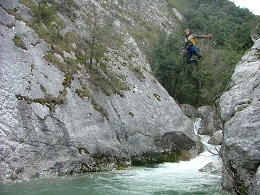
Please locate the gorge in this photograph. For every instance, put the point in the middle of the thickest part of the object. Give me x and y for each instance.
(78, 95)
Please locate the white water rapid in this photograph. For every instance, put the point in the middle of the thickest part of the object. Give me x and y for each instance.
(183, 178)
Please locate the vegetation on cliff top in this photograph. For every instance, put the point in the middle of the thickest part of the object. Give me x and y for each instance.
(71, 52)
(195, 85)
(232, 28)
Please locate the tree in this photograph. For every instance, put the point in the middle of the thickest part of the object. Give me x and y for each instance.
(231, 27)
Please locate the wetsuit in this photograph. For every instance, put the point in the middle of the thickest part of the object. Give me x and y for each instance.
(190, 48)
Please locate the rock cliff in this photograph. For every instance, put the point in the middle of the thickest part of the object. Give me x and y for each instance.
(76, 94)
(240, 112)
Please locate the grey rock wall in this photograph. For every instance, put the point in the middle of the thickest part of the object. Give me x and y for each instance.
(240, 110)
(210, 120)
(47, 128)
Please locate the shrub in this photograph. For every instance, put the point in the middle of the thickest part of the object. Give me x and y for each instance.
(44, 12)
(137, 70)
(19, 42)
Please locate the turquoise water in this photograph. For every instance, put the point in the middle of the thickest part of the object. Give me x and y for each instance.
(142, 180)
(181, 178)
(164, 179)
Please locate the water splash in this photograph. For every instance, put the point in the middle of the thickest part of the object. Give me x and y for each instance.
(197, 125)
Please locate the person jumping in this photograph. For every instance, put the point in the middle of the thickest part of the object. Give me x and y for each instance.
(190, 48)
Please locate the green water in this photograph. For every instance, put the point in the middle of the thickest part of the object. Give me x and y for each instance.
(164, 179)
(181, 178)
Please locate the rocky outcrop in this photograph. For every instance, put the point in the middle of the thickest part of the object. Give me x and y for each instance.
(255, 189)
(189, 110)
(240, 110)
(217, 138)
(74, 99)
(210, 120)
(213, 167)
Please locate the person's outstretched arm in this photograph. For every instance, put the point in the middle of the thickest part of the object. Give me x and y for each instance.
(203, 36)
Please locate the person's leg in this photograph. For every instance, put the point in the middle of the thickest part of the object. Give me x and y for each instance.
(188, 55)
(197, 52)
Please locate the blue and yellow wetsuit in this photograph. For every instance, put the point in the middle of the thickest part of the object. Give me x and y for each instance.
(191, 48)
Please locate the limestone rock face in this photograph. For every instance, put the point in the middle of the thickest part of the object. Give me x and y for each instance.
(217, 138)
(210, 120)
(255, 188)
(65, 110)
(240, 109)
(189, 110)
(212, 167)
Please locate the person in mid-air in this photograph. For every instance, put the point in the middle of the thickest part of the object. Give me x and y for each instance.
(190, 48)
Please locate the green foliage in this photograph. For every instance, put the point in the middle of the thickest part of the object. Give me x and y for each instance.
(48, 26)
(69, 38)
(67, 80)
(53, 59)
(195, 84)
(109, 82)
(200, 84)
(144, 33)
(27, 3)
(85, 93)
(187, 86)
(19, 42)
(48, 32)
(223, 19)
(89, 51)
(15, 14)
(166, 62)
(49, 100)
(99, 51)
(137, 70)
(46, 22)
(218, 67)
(44, 12)
(121, 2)
(68, 7)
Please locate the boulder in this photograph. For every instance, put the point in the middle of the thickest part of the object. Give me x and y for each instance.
(212, 168)
(217, 138)
(210, 120)
(189, 110)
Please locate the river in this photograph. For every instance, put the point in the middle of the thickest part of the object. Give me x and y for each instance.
(183, 178)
